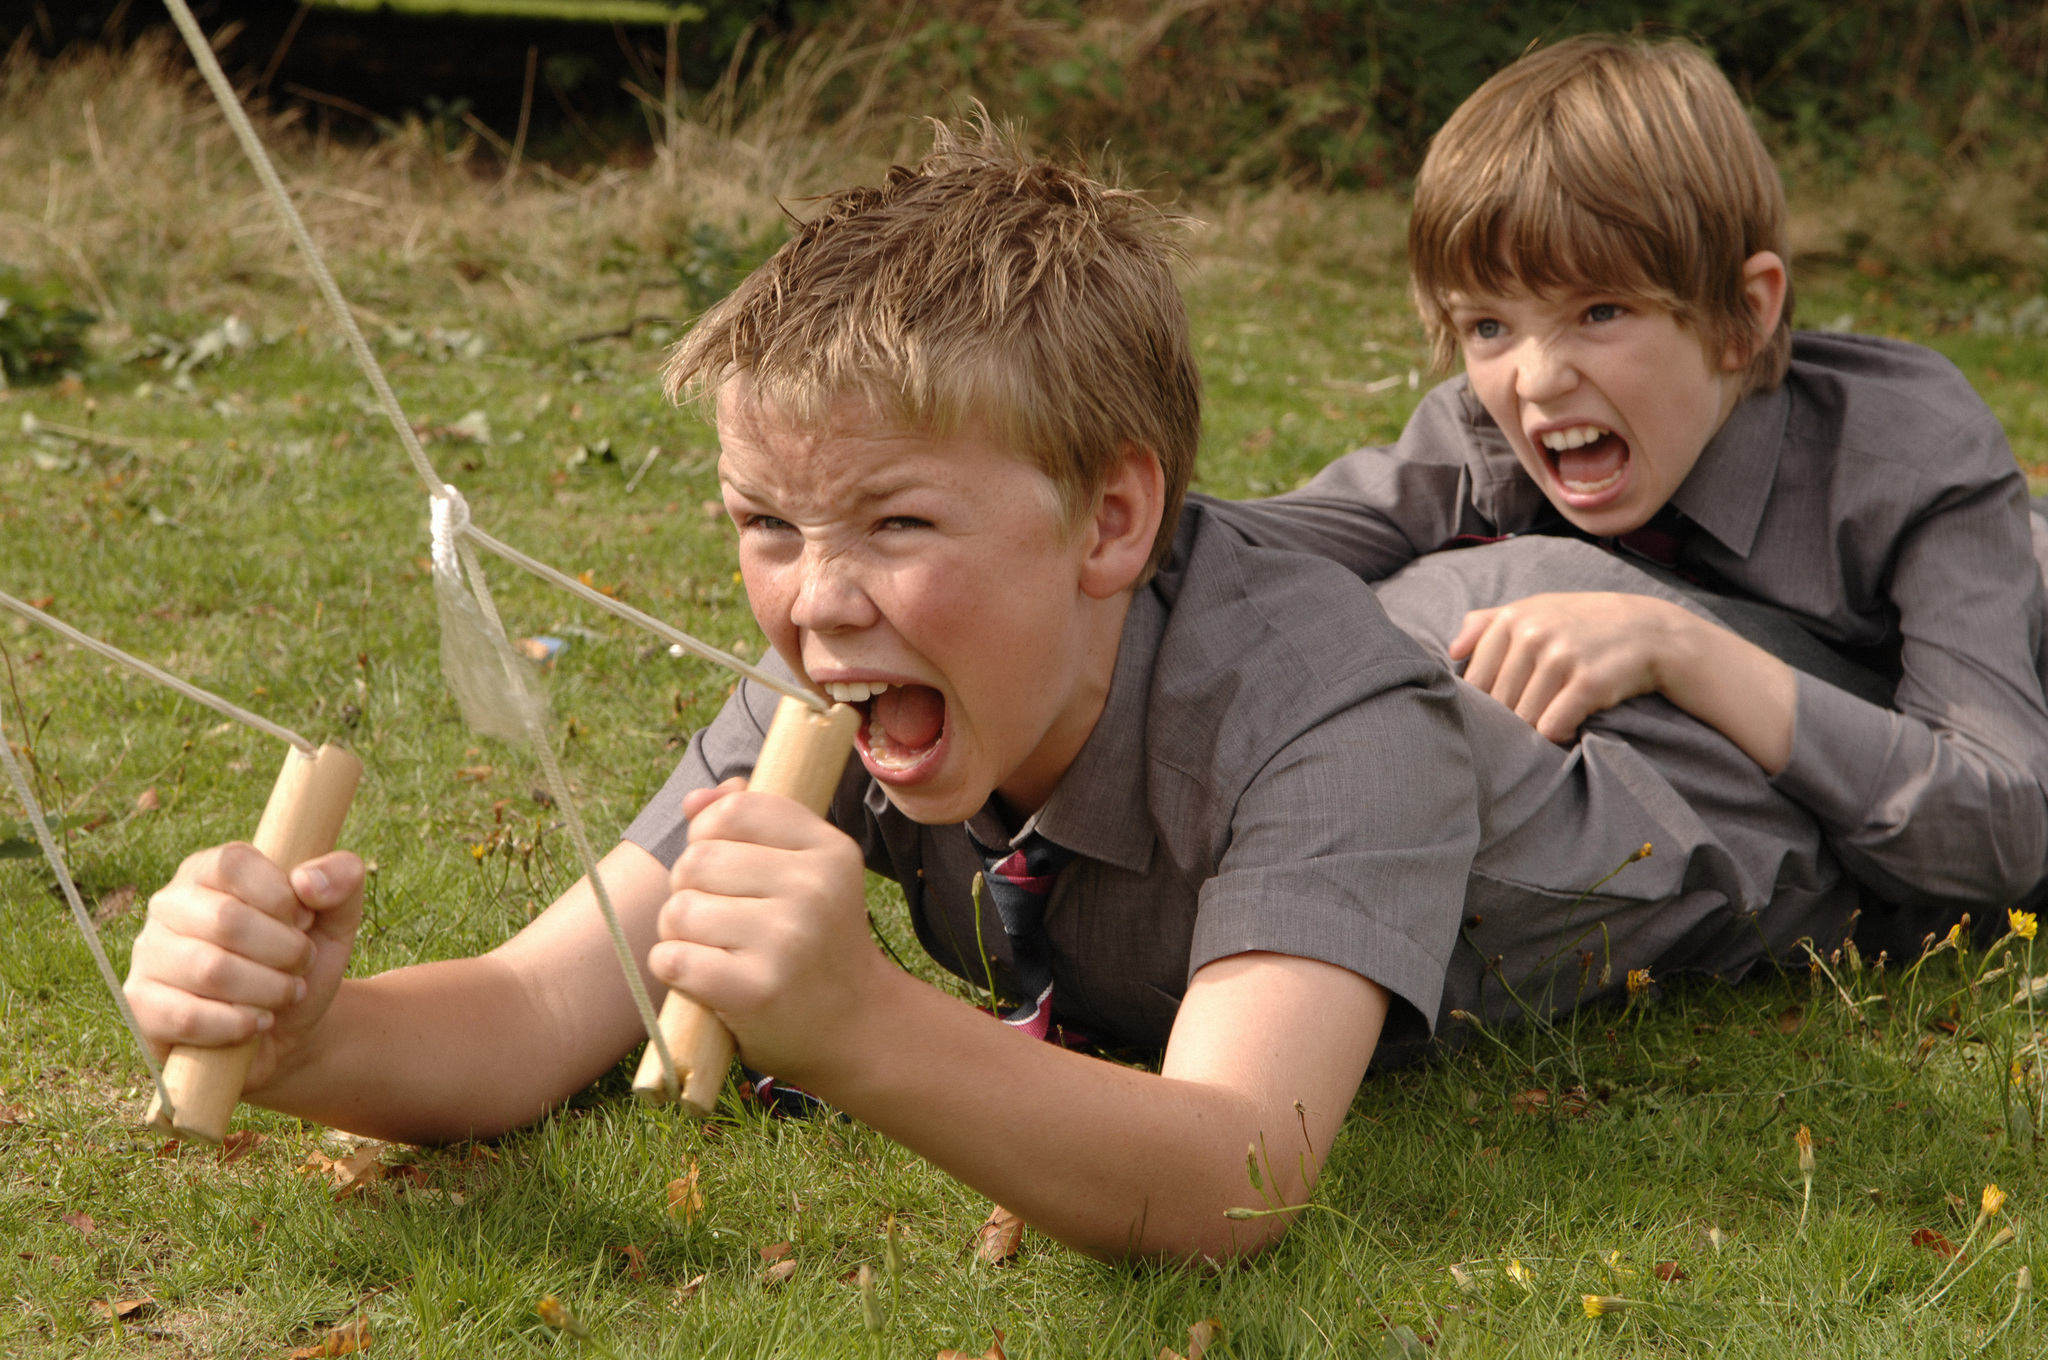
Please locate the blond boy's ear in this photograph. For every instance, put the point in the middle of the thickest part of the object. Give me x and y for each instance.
(1765, 285)
(1124, 523)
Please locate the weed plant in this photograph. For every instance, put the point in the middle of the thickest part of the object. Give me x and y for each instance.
(214, 494)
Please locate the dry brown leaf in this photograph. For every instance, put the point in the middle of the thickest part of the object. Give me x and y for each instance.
(1670, 1272)
(1791, 1020)
(240, 1144)
(994, 1351)
(1203, 1335)
(115, 904)
(686, 1292)
(13, 1114)
(636, 1262)
(80, 1220)
(1927, 1239)
(475, 773)
(780, 1272)
(1000, 1238)
(122, 1308)
(776, 1252)
(1529, 1102)
(350, 1175)
(346, 1339)
(685, 1199)
(147, 801)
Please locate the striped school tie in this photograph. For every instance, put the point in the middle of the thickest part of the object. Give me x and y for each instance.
(1019, 883)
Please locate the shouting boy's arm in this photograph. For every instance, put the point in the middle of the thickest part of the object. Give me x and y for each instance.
(767, 926)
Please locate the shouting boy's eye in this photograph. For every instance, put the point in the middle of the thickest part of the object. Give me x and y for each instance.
(1603, 311)
(1487, 329)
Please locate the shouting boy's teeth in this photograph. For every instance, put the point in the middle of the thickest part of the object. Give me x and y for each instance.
(903, 724)
(1588, 459)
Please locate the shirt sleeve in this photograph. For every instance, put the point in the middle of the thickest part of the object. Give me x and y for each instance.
(1942, 801)
(1334, 857)
(1377, 509)
(721, 751)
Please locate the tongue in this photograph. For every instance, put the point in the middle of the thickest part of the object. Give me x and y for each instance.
(911, 715)
(1594, 462)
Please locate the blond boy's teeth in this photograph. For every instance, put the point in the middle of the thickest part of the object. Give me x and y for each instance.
(854, 691)
(1578, 436)
(1593, 488)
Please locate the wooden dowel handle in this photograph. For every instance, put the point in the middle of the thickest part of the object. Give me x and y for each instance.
(802, 759)
(302, 821)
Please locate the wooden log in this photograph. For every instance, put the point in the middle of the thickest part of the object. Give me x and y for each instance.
(802, 759)
(302, 821)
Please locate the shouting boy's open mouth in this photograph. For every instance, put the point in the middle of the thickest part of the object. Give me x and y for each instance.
(902, 726)
(1589, 463)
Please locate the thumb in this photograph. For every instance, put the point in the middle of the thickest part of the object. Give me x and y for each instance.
(328, 881)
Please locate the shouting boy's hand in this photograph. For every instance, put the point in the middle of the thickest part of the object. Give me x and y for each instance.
(768, 926)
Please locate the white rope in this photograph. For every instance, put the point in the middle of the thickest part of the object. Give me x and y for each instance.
(79, 914)
(164, 678)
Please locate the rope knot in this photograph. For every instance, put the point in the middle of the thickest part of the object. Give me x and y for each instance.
(450, 519)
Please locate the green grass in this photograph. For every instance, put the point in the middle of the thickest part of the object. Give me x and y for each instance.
(265, 540)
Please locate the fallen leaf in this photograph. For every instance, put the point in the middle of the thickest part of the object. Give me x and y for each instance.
(1000, 1238)
(13, 1114)
(115, 904)
(350, 1175)
(80, 1220)
(994, 1351)
(771, 1254)
(1669, 1272)
(147, 801)
(1203, 1335)
(1529, 1102)
(686, 1292)
(475, 773)
(240, 1144)
(346, 1339)
(685, 1200)
(636, 1262)
(1791, 1019)
(122, 1308)
(1927, 1239)
(779, 1273)
(42, 601)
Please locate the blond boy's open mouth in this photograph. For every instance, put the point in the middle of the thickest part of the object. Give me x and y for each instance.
(1588, 463)
(901, 725)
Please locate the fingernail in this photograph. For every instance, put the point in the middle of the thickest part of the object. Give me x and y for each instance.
(298, 990)
(264, 1019)
(306, 919)
(316, 882)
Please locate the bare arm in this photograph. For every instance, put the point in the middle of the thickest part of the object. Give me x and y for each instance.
(431, 1053)
(767, 928)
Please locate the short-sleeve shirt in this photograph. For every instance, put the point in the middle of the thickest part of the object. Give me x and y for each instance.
(1276, 767)
(1873, 496)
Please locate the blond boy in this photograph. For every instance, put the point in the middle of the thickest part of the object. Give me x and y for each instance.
(1680, 496)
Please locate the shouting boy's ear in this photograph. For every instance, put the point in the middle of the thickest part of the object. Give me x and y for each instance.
(1124, 523)
(1764, 287)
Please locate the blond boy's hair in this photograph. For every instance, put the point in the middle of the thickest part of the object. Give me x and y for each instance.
(1605, 163)
(985, 290)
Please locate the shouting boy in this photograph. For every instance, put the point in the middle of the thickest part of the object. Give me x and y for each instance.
(1679, 496)
(1223, 807)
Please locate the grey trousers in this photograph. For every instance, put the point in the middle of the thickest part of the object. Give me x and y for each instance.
(1737, 872)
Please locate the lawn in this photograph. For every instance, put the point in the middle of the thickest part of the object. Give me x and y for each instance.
(247, 522)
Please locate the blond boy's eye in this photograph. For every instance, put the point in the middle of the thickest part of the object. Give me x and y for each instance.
(1487, 329)
(1603, 311)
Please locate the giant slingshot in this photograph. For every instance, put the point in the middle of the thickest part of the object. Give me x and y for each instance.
(689, 1050)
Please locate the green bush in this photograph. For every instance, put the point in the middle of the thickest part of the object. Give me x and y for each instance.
(41, 336)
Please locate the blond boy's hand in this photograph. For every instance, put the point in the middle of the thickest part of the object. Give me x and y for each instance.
(767, 925)
(235, 947)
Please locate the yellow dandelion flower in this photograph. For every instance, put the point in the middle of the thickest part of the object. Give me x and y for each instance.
(1993, 1201)
(1600, 1305)
(2019, 1074)
(1638, 981)
(2024, 924)
(1804, 1141)
(1955, 935)
(1521, 1274)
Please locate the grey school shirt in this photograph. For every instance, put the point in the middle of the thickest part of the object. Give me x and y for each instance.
(1872, 495)
(1277, 767)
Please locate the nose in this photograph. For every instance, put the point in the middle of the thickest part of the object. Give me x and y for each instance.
(1545, 372)
(829, 595)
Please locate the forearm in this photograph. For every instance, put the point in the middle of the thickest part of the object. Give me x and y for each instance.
(429, 1054)
(1113, 1161)
(1730, 684)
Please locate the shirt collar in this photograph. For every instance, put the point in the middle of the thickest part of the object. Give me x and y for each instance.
(1098, 809)
(1728, 488)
